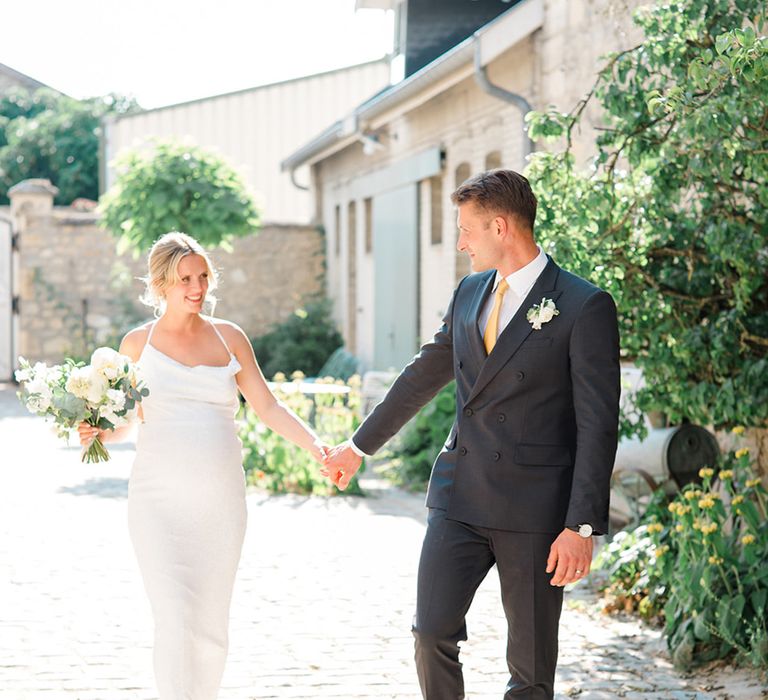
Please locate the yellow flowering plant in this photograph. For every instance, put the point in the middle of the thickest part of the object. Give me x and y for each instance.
(697, 565)
(713, 570)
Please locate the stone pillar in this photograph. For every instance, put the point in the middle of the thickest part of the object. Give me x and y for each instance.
(31, 197)
(32, 210)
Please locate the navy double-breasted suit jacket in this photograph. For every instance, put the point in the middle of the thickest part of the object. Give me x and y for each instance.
(534, 441)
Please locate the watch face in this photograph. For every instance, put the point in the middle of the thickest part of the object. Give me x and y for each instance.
(585, 530)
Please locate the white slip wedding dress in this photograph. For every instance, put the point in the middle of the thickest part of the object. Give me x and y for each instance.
(187, 517)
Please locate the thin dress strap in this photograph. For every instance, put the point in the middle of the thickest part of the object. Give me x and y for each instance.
(151, 331)
(221, 337)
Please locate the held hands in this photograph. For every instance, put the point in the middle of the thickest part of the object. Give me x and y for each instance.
(341, 465)
(319, 451)
(569, 557)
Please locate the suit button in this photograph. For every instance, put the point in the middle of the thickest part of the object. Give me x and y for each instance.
(463, 450)
(461, 364)
(502, 418)
(496, 456)
(520, 376)
(468, 411)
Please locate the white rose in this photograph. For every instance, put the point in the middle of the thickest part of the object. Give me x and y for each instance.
(40, 394)
(38, 403)
(87, 383)
(115, 399)
(108, 362)
(23, 375)
(53, 374)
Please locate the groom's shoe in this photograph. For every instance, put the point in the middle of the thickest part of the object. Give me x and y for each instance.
(519, 690)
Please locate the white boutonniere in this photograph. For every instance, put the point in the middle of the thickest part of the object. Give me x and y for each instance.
(542, 313)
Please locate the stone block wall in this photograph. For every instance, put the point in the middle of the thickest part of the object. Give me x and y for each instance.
(76, 292)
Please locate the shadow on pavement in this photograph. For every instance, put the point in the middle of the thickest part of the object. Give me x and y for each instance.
(380, 497)
(102, 487)
(10, 406)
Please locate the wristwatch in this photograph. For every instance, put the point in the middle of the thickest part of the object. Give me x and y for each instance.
(585, 529)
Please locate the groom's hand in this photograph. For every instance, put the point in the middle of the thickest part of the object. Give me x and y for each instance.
(569, 557)
(341, 465)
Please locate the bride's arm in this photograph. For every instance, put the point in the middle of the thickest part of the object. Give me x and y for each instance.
(272, 412)
(131, 346)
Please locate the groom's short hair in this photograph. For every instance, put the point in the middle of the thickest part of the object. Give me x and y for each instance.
(500, 191)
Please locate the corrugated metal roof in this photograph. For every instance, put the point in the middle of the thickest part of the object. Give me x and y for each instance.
(28, 82)
(255, 88)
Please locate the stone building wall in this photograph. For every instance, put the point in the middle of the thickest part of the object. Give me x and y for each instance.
(555, 65)
(76, 292)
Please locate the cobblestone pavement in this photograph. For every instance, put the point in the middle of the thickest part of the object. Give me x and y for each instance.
(322, 606)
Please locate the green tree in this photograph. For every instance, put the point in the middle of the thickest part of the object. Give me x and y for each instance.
(49, 135)
(19, 102)
(672, 215)
(175, 187)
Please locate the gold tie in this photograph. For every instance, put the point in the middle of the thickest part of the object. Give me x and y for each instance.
(492, 329)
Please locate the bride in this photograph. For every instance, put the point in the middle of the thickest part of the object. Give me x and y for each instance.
(186, 494)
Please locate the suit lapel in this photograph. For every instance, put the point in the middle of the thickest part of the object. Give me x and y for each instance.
(484, 288)
(518, 328)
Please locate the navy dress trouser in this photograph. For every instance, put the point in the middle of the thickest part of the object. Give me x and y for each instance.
(455, 559)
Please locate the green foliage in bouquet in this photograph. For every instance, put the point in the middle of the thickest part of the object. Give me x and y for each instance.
(301, 343)
(414, 452)
(273, 463)
(175, 187)
(672, 216)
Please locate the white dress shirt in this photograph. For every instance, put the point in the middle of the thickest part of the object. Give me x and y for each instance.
(520, 283)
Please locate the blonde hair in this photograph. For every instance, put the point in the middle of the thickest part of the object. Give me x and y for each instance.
(163, 268)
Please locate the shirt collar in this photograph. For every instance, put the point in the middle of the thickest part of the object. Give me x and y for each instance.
(521, 281)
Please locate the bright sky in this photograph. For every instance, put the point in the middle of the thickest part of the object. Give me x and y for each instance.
(167, 51)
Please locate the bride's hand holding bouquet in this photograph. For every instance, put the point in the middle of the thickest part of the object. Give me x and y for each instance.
(94, 398)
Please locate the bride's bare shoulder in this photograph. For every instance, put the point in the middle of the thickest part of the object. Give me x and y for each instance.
(232, 333)
(135, 340)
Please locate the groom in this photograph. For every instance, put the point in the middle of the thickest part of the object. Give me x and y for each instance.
(523, 478)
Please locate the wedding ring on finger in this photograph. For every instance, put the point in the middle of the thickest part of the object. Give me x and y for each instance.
(579, 571)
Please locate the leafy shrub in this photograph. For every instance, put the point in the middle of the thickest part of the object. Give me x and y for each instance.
(274, 463)
(301, 343)
(415, 450)
(632, 581)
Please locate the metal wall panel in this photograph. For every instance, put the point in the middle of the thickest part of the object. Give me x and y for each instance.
(396, 272)
(256, 129)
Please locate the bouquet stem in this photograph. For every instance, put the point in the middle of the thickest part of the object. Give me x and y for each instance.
(95, 452)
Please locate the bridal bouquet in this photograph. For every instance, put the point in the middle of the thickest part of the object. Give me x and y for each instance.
(104, 394)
